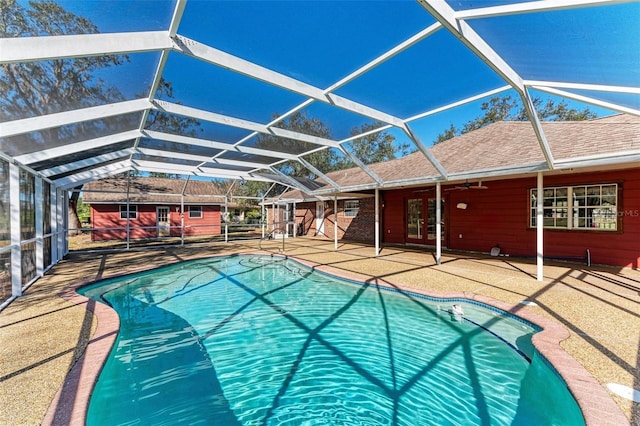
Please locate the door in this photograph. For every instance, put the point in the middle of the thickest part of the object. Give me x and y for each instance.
(421, 221)
(162, 221)
(320, 218)
(415, 220)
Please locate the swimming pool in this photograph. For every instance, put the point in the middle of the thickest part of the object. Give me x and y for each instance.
(252, 340)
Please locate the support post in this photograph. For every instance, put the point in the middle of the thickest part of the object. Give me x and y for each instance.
(53, 208)
(226, 219)
(438, 223)
(39, 200)
(181, 219)
(263, 219)
(335, 222)
(295, 222)
(376, 229)
(16, 250)
(128, 221)
(65, 217)
(540, 229)
(60, 228)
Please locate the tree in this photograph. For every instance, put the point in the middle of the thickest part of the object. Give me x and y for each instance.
(376, 147)
(450, 133)
(45, 87)
(324, 160)
(372, 148)
(502, 109)
(497, 109)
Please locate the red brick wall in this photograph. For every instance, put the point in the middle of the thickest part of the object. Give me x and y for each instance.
(306, 218)
(359, 228)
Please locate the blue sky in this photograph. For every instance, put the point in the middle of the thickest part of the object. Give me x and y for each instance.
(321, 42)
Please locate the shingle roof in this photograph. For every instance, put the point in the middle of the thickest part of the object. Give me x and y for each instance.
(506, 144)
(147, 190)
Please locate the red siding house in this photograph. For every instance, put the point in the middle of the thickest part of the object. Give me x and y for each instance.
(591, 199)
(153, 208)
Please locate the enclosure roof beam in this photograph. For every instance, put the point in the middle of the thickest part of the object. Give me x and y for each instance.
(425, 150)
(227, 174)
(321, 175)
(61, 151)
(631, 90)
(442, 12)
(88, 162)
(362, 166)
(34, 124)
(290, 181)
(81, 178)
(27, 49)
(188, 140)
(531, 7)
(588, 99)
(240, 123)
(194, 157)
(162, 167)
(225, 60)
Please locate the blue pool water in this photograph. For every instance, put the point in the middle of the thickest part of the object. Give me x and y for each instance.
(250, 340)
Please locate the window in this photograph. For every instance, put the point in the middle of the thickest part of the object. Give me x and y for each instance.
(195, 212)
(585, 207)
(133, 211)
(351, 208)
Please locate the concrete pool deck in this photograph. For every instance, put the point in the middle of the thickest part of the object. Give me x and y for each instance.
(593, 312)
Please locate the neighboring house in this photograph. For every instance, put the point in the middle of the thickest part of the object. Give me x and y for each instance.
(153, 208)
(591, 199)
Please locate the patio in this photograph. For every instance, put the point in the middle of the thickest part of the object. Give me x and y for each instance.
(45, 334)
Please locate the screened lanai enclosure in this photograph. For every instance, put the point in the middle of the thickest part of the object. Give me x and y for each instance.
(252, 94)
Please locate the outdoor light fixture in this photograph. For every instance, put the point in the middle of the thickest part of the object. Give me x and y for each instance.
(462, 206)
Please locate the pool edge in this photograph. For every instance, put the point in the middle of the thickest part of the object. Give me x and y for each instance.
(70, 404)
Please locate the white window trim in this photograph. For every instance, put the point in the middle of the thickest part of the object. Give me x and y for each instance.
(570, 208)
(133, 211)
(200, 212)
(351, 211)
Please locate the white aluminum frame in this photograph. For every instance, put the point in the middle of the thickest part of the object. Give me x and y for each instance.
(28, 49)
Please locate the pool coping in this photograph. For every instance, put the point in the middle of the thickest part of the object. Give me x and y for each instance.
(71, 402)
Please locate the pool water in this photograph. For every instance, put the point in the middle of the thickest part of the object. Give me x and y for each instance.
(260, 340)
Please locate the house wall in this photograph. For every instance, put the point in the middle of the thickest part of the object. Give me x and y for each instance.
(208, 224)
(499, 215)
(358, 228)
(306, 218)
(144, 226)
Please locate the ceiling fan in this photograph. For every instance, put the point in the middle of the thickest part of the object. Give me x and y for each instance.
(468, 185)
